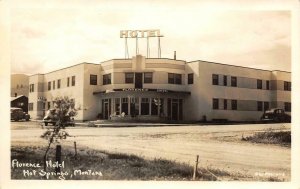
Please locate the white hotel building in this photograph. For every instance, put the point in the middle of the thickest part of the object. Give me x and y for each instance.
(160, 89)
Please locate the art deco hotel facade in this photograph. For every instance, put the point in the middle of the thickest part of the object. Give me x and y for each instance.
(159, 89)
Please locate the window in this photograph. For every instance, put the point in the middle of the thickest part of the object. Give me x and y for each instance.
(48, 105)
(215, 79)
(259, 84)
(68, 82)
(58, 83)
(145, 106)
(177, 78)
(233, 81)
(259, 106)
(215, 103)
(225, 104)
(287, 106)
(174, 78)
(268, 85)
(106, 79)
(73, 80)
(31, 88)
(154, 106)
(117, 106)
(234, 104)
(125, 106)
(287, 86)
(93, 79)
(129, 77)
(30, 106)
(53, 85)
(148, 77)
(190, 78)
(171, 78)
(49, 85)
(225, 80)
(266, 106)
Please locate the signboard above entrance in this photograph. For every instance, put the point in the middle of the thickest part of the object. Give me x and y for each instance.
(140, 33)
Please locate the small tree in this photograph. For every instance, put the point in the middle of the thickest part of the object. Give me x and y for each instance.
(64, 112)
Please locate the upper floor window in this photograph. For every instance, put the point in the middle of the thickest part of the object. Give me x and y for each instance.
(31, 88)
(93, 79)
(73, 80)
(68, 81)
(259, 84)
(215, 79)
(287, 86)
(225, 80)
(58, 83)
(53, 85)
(268, 85)
(49, 85)
(233, 81)
(174, 78)
(129, 77)
(190, 78)
(148, 77)
(106, 79)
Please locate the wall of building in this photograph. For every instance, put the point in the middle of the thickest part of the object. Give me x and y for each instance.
(246, 93)
(19, 85)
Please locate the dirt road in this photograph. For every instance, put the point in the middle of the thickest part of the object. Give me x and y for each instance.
(217, 146)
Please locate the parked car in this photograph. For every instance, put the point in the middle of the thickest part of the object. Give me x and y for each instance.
(275, 115)
(17, 114)
(51, 118)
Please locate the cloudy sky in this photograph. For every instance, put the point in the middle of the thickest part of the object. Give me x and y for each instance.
(46, 36)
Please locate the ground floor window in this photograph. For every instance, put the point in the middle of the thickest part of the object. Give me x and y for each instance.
(30, 107)
(135, 106)
(145, 106)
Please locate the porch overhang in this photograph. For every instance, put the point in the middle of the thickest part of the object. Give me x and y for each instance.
(164, 91)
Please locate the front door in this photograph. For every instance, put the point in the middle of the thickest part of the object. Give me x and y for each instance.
(138, 80)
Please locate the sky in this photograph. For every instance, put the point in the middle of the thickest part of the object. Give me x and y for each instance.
(48, 36)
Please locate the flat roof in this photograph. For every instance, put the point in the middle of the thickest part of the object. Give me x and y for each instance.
(235, 66)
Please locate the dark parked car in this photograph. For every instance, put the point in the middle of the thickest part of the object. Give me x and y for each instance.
(275, 115)
(17, 114)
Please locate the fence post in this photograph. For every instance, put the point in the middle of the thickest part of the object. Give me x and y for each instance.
(58, 158)
(196, 168)
(75, 147)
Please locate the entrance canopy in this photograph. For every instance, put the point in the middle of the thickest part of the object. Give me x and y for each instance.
(143, 90)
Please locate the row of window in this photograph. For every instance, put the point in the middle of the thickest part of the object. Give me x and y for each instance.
(215, 80)
(225, 104)
(233, 83)
(58, 83)
(43, 107)
(261, 106)
(173, 78)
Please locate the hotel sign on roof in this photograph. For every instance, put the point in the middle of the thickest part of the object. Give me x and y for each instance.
(139, 33)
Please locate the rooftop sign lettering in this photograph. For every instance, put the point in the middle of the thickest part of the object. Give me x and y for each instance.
(139, 33)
